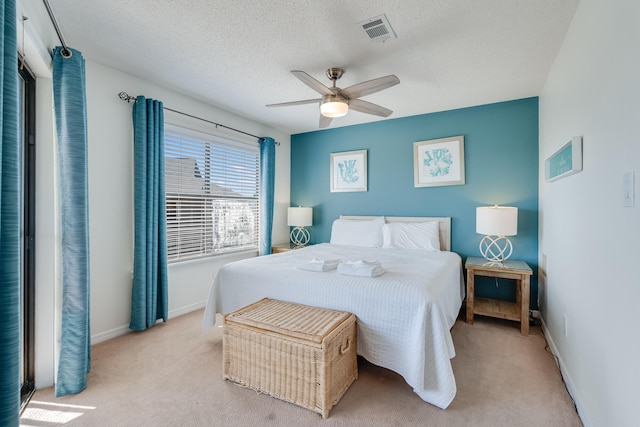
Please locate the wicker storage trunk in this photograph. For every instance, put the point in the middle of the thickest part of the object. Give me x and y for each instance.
(300, 354)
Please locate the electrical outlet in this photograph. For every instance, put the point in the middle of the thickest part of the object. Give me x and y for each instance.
(564, 325)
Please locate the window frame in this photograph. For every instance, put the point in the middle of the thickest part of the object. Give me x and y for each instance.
(252, 152)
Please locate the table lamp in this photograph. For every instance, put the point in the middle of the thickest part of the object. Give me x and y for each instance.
(299, 218)
(496, 222)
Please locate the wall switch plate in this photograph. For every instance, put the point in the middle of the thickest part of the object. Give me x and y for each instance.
(628, 189)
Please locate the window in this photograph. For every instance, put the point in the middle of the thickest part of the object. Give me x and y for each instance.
(212, 188)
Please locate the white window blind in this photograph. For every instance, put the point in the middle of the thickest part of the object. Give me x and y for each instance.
(212, 189)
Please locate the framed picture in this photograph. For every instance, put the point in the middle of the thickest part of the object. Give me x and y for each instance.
(564, 162)
(438, 162)
(349, 171)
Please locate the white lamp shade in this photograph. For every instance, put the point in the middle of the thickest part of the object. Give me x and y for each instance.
(333, 106)
(300, 217)
(497, 220)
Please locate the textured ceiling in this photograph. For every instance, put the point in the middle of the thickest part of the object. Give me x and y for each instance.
(237, 54)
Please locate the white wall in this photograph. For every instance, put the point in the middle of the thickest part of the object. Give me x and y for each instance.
(111, 197)
(590, 241)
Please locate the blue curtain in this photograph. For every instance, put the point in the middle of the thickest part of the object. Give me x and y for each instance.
(267, 181)
(9, 221)
(149, 300)
(69, 97)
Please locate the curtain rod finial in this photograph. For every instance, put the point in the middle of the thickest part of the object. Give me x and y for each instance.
(126, 97)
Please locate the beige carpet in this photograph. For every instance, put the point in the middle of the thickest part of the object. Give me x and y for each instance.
(171, 375)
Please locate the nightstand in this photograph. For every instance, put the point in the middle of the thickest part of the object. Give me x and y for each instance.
(517, 270)
(282, 247)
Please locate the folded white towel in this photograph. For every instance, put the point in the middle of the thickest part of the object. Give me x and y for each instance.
(319, 264)
(361, 268)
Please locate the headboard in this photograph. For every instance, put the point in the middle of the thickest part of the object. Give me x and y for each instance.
(445, 225)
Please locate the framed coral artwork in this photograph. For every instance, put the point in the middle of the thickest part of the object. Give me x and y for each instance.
(349, 171)
(438, 162)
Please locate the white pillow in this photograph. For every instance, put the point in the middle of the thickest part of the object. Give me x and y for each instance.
(355, 232)
(412, 235)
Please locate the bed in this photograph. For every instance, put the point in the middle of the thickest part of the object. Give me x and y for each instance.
(404, 315)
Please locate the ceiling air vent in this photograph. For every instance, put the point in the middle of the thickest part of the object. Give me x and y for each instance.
(378, 29)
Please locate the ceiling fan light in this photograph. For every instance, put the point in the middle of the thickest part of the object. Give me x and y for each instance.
(333, 106)
(334, 109)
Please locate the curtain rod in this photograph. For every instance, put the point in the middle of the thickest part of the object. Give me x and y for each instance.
(126, 97)
(65, 50)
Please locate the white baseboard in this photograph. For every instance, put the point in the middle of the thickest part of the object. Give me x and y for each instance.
(107, 335)
(582, 413)
(188, 309)
(121, 330)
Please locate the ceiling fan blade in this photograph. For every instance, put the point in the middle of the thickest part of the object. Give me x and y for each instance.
(288, 104)
(311, 82)
(324, 121)
(370, 86)
(369, 108)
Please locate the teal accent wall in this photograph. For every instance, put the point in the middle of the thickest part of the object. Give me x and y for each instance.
(501, 167)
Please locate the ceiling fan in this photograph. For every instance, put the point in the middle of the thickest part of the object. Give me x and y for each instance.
(336, 102)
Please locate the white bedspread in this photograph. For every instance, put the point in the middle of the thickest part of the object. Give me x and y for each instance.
(404, 316)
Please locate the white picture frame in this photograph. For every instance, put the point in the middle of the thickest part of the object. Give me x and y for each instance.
(566, 161)
(438, 162)
(348, 171)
